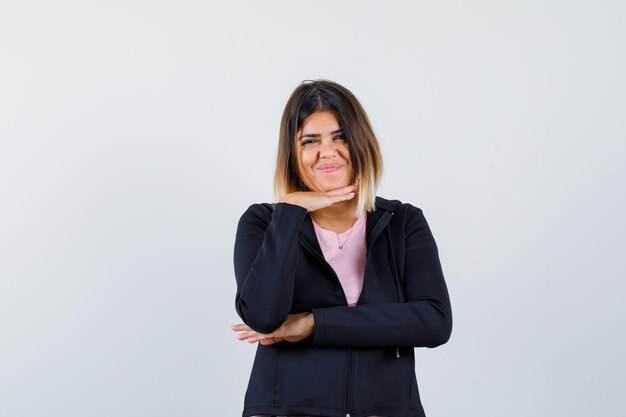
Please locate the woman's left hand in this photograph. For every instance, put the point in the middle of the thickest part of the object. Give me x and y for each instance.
(296, 328)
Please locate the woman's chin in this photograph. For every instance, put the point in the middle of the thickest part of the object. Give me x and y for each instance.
(333, 186)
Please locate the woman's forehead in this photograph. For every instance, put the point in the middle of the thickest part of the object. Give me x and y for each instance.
(321, 122)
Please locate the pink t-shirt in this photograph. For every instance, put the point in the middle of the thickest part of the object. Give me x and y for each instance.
(348, 263)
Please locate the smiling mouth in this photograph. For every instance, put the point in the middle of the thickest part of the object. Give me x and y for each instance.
(330, 168)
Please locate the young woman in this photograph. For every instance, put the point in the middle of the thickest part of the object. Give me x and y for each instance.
(336, 284)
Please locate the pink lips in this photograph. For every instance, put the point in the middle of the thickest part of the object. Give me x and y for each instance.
(330, 168)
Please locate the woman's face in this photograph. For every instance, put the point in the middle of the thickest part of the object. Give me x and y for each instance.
(322, 152)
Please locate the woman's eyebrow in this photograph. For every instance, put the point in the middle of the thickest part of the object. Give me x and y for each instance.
(317, 135)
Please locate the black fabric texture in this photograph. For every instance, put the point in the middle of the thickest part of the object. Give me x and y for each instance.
(360, 359)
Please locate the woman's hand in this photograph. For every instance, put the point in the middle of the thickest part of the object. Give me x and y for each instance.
(297, 327)
(314, 200)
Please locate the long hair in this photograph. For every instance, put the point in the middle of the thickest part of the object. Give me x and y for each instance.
(319, 95)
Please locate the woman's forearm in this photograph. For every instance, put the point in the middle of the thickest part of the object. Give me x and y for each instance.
(266, 258)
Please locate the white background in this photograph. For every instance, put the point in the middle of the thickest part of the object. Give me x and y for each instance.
(134, 134)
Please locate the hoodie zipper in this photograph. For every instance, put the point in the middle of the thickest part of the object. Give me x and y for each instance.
(395, 275)
(348, 404)
(349, 385)
(380, 225)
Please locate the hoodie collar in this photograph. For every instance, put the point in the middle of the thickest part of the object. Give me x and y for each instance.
(376, 222)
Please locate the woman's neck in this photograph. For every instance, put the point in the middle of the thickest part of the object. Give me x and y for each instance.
(339, 217)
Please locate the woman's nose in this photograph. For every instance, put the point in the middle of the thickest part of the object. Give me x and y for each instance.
(328, 149)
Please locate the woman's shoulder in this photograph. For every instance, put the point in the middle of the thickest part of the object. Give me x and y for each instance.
(258, 210)
(409, 218)
(262, 213)
(261, 207)
(397, 206)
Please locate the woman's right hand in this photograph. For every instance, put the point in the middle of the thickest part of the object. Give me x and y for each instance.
(314, 200)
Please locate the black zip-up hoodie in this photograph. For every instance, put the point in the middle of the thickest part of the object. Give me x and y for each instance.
(359, 361)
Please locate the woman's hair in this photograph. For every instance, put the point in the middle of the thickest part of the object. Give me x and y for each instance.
(319, 95)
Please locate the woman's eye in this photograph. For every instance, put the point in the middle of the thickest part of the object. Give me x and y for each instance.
(340, 137)
(308, 141)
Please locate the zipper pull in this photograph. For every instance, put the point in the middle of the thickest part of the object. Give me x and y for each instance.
(397, 352)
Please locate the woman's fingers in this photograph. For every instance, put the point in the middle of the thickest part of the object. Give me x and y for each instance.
(270, 340)
(341, 197)
(246, 335)
(343, 193)
(247, 331)
(344, 190)
(315, 200)
(264, 339)
(252, 336)
(321, 200)
(294, 329)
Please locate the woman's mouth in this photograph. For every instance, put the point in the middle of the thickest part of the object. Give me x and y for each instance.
(330, 168)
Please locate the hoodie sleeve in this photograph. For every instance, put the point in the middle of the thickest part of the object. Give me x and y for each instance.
(425, 320)
(265, 260)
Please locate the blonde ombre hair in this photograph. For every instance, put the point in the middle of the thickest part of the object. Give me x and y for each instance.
(308, 98)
